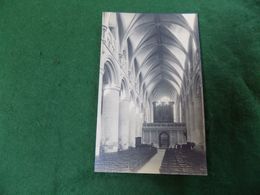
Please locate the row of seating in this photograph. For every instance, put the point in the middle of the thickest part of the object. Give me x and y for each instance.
(183, 161)
(187, 146)
(125, 161)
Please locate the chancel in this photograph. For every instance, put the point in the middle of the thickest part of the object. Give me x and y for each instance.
(150, 89)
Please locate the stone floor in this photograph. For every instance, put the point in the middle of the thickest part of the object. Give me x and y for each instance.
(154, 164)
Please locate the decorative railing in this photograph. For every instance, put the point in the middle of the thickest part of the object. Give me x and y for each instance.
(164, 126)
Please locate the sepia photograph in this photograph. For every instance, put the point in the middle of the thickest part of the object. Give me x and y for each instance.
(150, 116)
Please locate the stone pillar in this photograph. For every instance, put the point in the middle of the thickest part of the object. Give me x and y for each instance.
(187, 119)
(151, 112)
(174, 113)
(110, 118)
(136, 121)
(154, 112)
(139, 122)
(183, 111)
(203, 118)
(176, 108)
(180, 113)
(123, 124)
(99, 130)
(132, 125)
(147, 113)
(190, 118)
(192, 129)
(198, 122)
(141, 115)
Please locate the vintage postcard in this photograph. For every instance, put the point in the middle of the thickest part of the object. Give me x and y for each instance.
(150, 104)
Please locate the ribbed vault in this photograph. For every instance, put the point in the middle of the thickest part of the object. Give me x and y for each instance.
(158, 50)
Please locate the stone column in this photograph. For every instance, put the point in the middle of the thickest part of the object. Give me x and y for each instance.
(148, 113)
(123, 124)
(177, 115)
(110, 118)
(132, 125)
(139, 124)
(203, 118)
(198, 121)
(174, 113)
(151, 112)
(187, 119)
(139, 121)
(99, 130)
(192, 129)
(180, 113)
(141, 117)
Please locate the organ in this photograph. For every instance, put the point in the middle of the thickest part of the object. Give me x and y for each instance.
(163, 112)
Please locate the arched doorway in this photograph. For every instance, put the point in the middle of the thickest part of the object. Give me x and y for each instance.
(164, 140)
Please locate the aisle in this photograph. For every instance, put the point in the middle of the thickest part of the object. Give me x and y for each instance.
(153, 165)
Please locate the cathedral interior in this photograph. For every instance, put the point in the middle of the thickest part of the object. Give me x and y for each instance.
(150, 94)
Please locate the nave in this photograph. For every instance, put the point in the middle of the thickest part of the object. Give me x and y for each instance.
(150, 92)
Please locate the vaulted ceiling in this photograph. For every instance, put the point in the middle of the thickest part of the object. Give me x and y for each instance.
(159, 47)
